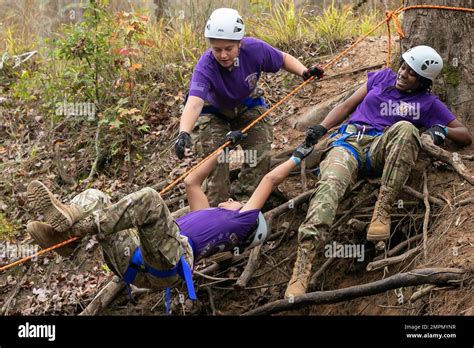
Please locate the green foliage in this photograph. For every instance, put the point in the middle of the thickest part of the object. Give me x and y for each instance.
(7, 230)
(451, 75)
(282, 25)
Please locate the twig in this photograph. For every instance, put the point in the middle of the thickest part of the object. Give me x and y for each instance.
(343, 217)
(395, 250)
(303, 175)
(320, 271)
(211, 301)
(249, 269)
(6, 306)
(427, 214)
(414, 278)
(464, 202)
(453, 159)
(212, 278)
(60, 164)
(273, 267)
(422, 292)
(97, 154)
(352, 71)
(412, 192)
(392, 260)
(104, 297)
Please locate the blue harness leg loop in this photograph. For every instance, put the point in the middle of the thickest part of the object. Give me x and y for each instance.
(250, 102)
(343, 143)
(137, 264)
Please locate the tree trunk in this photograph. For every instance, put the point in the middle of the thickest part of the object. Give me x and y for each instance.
(450, 34)
(160, 8)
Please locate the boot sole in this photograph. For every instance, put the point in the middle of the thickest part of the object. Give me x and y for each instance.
(44, 203)
(377, 237)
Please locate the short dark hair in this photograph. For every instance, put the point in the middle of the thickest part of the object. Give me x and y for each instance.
(425, 84)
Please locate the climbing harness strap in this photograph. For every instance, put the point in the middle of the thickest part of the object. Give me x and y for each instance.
(348, 130)
(137, 264)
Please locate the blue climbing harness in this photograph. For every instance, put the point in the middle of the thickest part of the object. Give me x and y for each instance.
(137, 264)
(343, 143)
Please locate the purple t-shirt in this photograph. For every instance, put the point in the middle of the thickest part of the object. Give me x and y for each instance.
(226, 89)
(384, 105)
(215, 229)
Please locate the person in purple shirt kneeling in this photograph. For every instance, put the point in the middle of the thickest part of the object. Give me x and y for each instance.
(140, 239)
(224, 98)
(381, 138)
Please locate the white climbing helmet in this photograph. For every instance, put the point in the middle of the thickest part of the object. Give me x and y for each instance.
(260, 233)
(424, 60)
(225, 23)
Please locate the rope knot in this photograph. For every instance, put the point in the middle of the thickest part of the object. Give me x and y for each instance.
(393, 15)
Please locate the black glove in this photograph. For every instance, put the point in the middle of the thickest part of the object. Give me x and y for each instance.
(183, 141)
(315, 70)
(313, 134)
(302, 151)
(234, 137)
(438, 133)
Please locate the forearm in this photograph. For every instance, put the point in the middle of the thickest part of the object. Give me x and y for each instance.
(191, 112)
(268, 184)
(198, 175)
(460, 135)
(335, 117)
(293, 65)
(280, 173)
(196, 197)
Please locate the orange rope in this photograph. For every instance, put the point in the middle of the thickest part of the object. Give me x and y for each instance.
(389, 15)
(3, 268)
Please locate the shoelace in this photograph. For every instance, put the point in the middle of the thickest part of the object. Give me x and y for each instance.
(302, 265)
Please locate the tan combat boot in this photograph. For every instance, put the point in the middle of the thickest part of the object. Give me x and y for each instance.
(60, 216)
(302, 270)
(46, 236)
(379, 228)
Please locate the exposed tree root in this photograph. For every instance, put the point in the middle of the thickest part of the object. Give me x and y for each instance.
(438, 276)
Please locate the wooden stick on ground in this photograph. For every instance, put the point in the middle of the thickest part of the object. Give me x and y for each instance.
(464, 202)
(342, 218)
(422, 292)
(439, 276)
(412, 192)
(408, 190)
(303, 176)
(249, 269)
(396, 249)
(427, 214)
(104, 297)
(8, 303)
(321, 270)
(392, 260)
(454, 159)
(60, 164)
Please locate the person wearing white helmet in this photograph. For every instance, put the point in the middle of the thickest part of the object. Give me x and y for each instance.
(380, 138)
(140, 239)
(224, 98)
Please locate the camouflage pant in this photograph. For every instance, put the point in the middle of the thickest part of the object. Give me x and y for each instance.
(394, 153)
(210, 132)
(139, 219)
